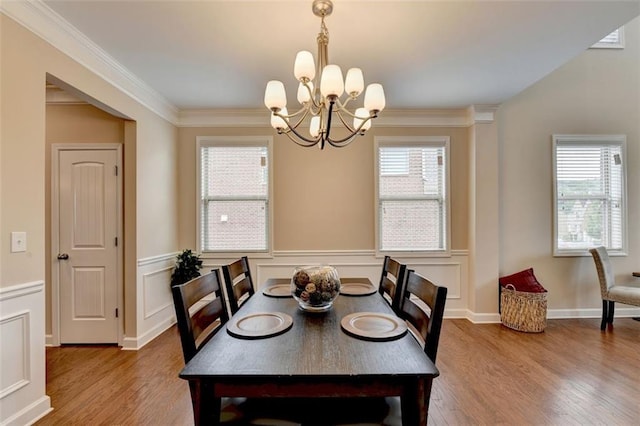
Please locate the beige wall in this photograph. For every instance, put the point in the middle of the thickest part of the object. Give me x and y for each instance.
(150, 208)
(596, 93)
(324, 200)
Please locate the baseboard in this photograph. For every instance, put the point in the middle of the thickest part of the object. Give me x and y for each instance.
(133, 344)
(30, 414)
(551, 314)
(591, 313)
(457, 314)
(48, 340)
(483, 318)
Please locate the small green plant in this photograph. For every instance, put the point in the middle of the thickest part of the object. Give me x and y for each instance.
(187, 267)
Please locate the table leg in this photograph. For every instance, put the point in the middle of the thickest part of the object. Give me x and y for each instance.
(415, 403)
(206, 407)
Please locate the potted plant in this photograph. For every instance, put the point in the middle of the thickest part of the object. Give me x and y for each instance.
(187, 267)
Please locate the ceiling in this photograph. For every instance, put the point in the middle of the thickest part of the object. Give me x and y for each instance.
(219, 54)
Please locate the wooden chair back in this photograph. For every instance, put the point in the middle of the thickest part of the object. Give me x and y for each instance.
(391, 281)
(200, 311)
(238, 282)
(419, 291)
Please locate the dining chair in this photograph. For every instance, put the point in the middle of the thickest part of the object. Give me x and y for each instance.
(391, 281)
(422, 307)
(238, 282)
(200, 312)
(609, 290)
(420, 303)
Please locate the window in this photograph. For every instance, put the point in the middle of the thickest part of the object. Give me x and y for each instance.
(614, 40)
(589, 194)
(233, 209)
(412, 194)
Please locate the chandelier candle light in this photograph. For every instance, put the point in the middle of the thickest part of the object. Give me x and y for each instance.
(321, 101)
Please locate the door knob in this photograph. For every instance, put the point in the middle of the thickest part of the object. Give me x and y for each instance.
(63, 256)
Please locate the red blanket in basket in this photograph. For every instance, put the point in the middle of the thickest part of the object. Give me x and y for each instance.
(523, 281)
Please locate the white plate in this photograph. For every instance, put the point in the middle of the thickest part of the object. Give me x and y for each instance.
(278, 290)
(357, 289)
(374, 326)
(259, 325)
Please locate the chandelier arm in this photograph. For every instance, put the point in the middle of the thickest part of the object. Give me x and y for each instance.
(343, 106)
(316, 108)
(352, 129)
(295, 132)
(342, 142)
(343, 121)
(312, 97)
(306, 144)
(286, 118)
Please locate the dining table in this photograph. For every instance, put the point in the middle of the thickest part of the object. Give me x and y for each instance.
(310, 355)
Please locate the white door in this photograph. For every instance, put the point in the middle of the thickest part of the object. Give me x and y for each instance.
(87, 246)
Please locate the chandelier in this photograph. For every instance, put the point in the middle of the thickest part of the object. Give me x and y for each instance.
(322, 102)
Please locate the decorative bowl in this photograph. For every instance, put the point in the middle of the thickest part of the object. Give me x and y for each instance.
(315, 287)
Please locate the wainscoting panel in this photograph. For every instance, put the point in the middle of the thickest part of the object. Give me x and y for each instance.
(154, 307)
(156, 300)
(22, 370)
(15, 374)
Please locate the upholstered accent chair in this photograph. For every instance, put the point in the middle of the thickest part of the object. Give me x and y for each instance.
(610, 291)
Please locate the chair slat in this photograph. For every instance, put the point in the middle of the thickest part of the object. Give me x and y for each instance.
(238, 282)
(418, 290)
(391, 281)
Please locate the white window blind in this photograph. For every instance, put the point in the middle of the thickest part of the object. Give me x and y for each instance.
(394, 161)
(234, 197)
(589, 194)
(413, 205)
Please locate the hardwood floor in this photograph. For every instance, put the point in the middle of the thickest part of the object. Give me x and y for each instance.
(571, 374)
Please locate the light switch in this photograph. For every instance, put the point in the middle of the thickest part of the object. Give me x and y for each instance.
(18, 242)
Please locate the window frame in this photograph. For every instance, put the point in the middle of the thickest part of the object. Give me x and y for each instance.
(596, 140)
(412, 142)
(234, 141)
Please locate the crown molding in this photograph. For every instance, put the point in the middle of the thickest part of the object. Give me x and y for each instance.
(224, 118)
(388, 118)
(41, 20)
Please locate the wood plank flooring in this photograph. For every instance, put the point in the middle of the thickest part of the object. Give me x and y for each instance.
(571, 374)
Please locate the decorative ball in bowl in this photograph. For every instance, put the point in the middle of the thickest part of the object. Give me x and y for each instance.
(315, 287)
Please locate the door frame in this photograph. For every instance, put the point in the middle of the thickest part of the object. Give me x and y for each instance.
(55, 235)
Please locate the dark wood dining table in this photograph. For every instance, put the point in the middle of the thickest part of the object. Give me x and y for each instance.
(314, 358)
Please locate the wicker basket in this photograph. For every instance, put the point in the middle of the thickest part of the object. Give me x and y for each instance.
(523, 311)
